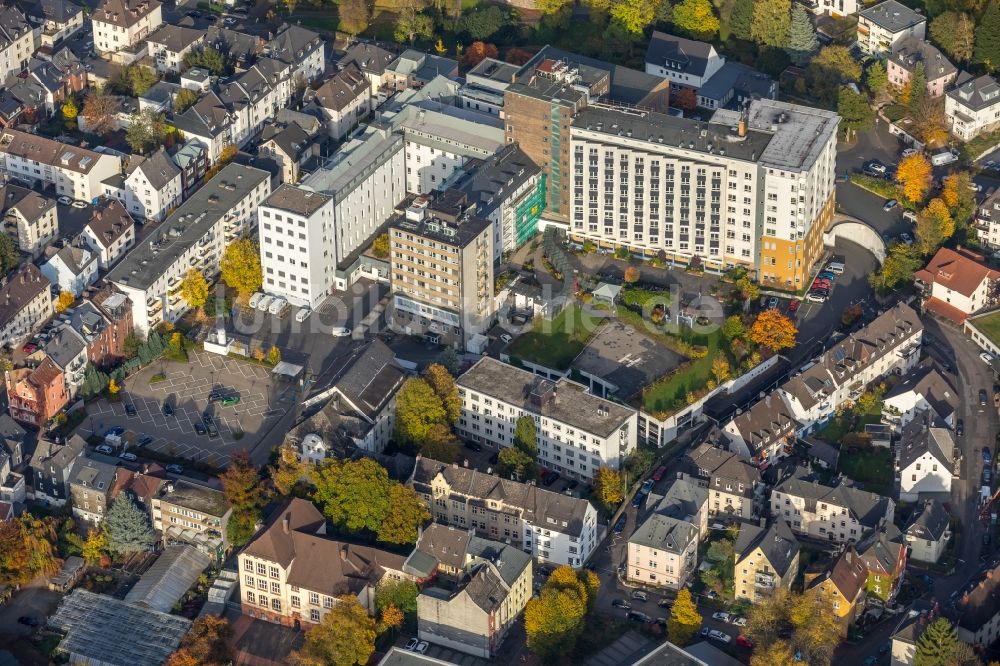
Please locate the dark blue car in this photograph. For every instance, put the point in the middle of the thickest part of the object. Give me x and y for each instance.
(620, 525)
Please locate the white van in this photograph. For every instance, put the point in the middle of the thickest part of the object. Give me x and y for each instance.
(254, 300)
(836, 267)
(279, 307)
(302, 314)
(264, 303)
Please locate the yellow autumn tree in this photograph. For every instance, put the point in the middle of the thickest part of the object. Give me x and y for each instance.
(608, 487)
(64, 302)
(113, 387)
(934, 226)
(914, 176)
(773, 330)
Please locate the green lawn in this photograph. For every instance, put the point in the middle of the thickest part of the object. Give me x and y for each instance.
(556, 343)
(872, 468)
(990, 326)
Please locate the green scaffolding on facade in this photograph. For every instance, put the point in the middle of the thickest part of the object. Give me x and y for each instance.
(527, 214)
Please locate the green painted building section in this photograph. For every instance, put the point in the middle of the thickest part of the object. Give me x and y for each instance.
(527, 214)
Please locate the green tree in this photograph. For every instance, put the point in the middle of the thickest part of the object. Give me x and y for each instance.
(697, 19)
(897, 269)
(146, 130)
(741, 19)
(240, 267)
(401, 525)
(855, 111)
(802, 41)
(937, 645)
(485, 21)
(512, 462)
(128, 527)
(986, 49)
(684, 620)
(399, 593)
(140, 79)
(410, 25)
(194, 288)
(526, 435)
(934, 225)
(441, 444)
(207, 58)
(443, 384)
(918, 87)
(769, 24)
(955, 33)
(732, 327)
(184, 100)
(344, 637)
(634, 16)
(354, 494)
(9, 257)
(418, 408)
(876, 78)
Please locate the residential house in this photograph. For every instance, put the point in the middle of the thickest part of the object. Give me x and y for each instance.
(106, 332)
(29, 218)
(304, 51)
(68, 350)
(834, 8)
(58, 75)
(973, 106)
(140, 486)
(57, 20)
(881, 27)
(71, 267)
(153, 187)
(662, 552)
(12, 439)
(890, 344)
(552, 527)
(51, 465)
(840, 513)
(292, 572)
(360, 397)
(343, 100)
(924, 458)
(688, 63)
(956, 284)
(187, 513)
(884, 553)
(110, 232)
(474, 612)
(290, 147)
(192, 159)
(75, 172)
(25, 302)
(121, 28)
(241, 48)
(976, 612)
(685, 498)
(911, 52)
(372, 60)
(577, 432)
(763, 433)
(987, 222)
(929, 533)
(90, 485)
(766, 560)
(926, 389)
(17, 40)
(734, 485)
(170, 43)
(35, 395)
(909, 630)
(840, 584)
(415, 69)
(734, 86)
(441, 550)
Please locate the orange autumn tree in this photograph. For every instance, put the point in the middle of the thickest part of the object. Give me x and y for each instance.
(934, 226)
(476, 52)
(773, 330)
(914, 176)
(206, 644)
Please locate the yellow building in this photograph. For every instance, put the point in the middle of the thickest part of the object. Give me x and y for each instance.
(767, 560)
(841, 585)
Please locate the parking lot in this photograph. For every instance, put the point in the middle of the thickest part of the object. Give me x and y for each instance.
(263, 400)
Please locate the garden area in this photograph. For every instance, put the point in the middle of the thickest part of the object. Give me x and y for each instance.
(989, 325)
(557, 342)
(870, 466)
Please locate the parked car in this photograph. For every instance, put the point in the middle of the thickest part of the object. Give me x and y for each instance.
(910, 151)
(987, 456)
(743, 641)
(131, 457)
(738, 621)
(620, 524)
(255, 300)
(175, 469)
(302, 314)
(816, 297)
(960, 427)
(986, 356)
(889, 205)
(909, 216)
(664, 603)
(279, 307)
(421, 647)
(660, 471)
(505, 338)
(130, 409)
(719, 636)
(212, 430)
(265, 302)
(29, 348)
(411, 644)
(640, 595)
(793, 305)
(721, 616)
(105, 449)
(827, 275)
(230, 400)
(636, 616)
(79, 204)
(167, 409)
(340, 332)
(982, 397)
(772, 303)
(473, 446)
(200, 429)
(65, 201)
(906, 238)
(207, 419)
(550, 478)
(647, 486)
(144, 440)
(117, 431)
(621, 603)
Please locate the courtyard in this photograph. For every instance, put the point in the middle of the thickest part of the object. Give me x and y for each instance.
(185, 387)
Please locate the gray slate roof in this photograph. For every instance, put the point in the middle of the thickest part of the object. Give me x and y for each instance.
(665, 533)
(159, 169)
(910, 51)
(867, 508)
(931, 523)
(687, 56)
(920, 436)
(777, 542)
(91, 473)
(64, 346)
(719, 464)
(892, 16)
(977, 94)
(933, 386)
(369, 57)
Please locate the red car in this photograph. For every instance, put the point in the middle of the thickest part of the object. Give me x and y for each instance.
(660, 471)
(793, 305)
(29, 348)
(743, 641)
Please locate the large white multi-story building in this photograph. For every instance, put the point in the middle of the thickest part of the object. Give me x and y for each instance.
(195, 236)
(120, 27)
(75, 172)
(17, 40)
(296, 236)
(881, 26)
(153, 187)
(551, 527)
(753, 189)
(577, 432)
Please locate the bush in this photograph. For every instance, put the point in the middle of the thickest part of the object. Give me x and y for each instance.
(157, 378)
(894, 112)
(880, 186)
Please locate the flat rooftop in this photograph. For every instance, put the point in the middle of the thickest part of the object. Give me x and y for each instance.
(192, 496)
(494, 70)
(296, 200)
(353, 162)
(893, 16)
(192, 220)
(622, 356)
(672, 132)
(451, 128)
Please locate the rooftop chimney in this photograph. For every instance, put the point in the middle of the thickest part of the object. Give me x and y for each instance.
(284, 523)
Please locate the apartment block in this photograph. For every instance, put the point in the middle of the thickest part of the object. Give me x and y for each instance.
(110, 233)
(121, 26)
(194, 236)
(90, 484)
(25, 302)
(29, 218)
(17, 40)
(662, 552)
(913, 51)
(103, 320)
(839, 514)
(577, 432)
(153, 187)
(50, 466)
(170, 43)
(551, 527)
(35, 395)
(75, 172)
(767, 560)
(881, 27)
(734, 485)
(185, 512)
(441, 267)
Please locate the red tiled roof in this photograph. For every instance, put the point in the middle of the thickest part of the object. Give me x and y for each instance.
(938, 307)
(959, 270)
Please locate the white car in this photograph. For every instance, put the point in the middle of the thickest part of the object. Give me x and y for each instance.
(65, 201)
(910, 151)
(340, 332)
(421, 647)
(105, 449)
(79, 204)
(411, 644)
(128, 456)
(721, 616)
(506, 339)
(738, 621)
(254, 300)
(264, 303)
(277, 305)
(986, 356)
(719, 636)
(302, 314)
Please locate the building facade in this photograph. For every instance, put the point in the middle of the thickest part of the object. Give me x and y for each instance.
(881, 27)
(29, 218)
(185, 512)
(75, 172)
(121, 26)
(973, 107)
(25, 302)
(766, 560)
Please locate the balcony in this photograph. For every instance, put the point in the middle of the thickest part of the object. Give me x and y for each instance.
(764, 581)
